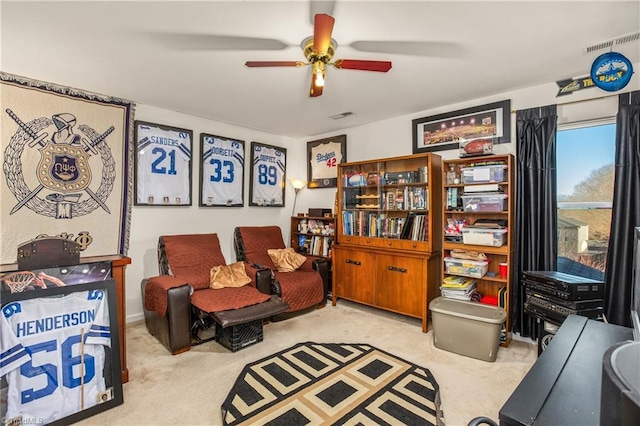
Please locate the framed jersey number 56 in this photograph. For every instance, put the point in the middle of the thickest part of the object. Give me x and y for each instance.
(162, 165)
(268, 175)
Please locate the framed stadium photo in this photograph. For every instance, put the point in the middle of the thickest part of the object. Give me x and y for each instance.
(268, 175)
(65, 344)
(162, 165)
(323, 157)
(221, 171)
(490, 122)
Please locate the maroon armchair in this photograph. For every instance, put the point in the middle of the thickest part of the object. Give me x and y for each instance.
(304, 288)
(179, 301)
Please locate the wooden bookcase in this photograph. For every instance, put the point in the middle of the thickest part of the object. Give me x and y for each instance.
(313, 235)
(389, 226)
(461, 203)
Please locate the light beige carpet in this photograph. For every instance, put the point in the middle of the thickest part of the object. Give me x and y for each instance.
(188, 389)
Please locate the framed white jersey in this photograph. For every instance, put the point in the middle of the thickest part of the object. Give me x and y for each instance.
(163, 165)
(324, 156)
(56, 355)
(221, 171)
(268, 175)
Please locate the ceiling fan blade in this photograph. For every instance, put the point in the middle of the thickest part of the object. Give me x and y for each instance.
(414, 48)
(317, 7)
(217, 42)
(315, 89)
(322, 30)
(357, 64)
(258, 64)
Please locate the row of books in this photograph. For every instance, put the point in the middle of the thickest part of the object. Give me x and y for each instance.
(406, 199)
(316, 245)
(370, 224)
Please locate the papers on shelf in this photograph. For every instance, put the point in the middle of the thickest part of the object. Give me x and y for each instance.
(460, 288)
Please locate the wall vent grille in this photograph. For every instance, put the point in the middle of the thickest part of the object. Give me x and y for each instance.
(628, 38)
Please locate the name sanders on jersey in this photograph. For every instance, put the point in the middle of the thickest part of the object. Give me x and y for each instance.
(159, 140)
(42, 325)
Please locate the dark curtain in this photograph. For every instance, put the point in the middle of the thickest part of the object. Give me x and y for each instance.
(536, 207)
(626, 211)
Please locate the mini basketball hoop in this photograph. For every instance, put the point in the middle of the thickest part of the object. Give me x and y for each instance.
(18, 281)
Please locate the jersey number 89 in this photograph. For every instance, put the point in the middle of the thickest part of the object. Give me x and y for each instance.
(267, 175)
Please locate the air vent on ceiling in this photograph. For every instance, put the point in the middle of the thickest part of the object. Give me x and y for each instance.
(628, 38)
(341, 115)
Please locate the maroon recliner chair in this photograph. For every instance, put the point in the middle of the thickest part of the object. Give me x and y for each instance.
(303, 289)
(179, 302)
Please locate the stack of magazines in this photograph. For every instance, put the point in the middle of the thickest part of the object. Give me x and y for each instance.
(460, 288)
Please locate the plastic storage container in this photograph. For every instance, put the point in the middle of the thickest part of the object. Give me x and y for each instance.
(240, 336)
(484, 174)
(465, 267)
(467, 328)
(484, 236)
(484, 203)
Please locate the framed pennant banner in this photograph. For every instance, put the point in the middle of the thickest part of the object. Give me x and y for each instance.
(67, 167)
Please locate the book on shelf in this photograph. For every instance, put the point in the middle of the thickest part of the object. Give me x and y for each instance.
(452, 198)
(400, 199)
(407, 227)
(417, 199)
(455, 281)
(458, 288)
(413, 227)
(320, 245)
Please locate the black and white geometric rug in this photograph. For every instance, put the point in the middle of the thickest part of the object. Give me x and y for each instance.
(318, 383)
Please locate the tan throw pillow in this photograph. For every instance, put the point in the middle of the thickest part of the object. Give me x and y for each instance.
(233, 275)
(286, 260)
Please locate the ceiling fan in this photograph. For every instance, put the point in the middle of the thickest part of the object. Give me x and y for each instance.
(319, 51)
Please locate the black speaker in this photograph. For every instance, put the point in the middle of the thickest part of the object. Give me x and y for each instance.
(546, 331)
(620, 389)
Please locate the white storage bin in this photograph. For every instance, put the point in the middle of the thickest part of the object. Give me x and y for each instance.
(465, 267)
(484, 174)
(484, 203)
(484, 236)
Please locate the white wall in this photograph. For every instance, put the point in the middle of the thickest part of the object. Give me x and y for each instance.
(393, 137)
(148, 223)
(386, 138)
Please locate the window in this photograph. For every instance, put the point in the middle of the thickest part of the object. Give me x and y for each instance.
(585, 156)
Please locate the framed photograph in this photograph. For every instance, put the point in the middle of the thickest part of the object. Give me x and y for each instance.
(162, 165)
(221, 171)
(268, 175)
(446, 131)
(323, 157)
(65, 365)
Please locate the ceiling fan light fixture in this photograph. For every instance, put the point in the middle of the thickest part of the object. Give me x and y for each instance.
(319, 72)
(319, 51)
(316, 89)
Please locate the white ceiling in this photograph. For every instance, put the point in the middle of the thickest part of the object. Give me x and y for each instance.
(140, 51)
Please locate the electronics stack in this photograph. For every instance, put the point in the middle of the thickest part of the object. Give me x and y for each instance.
(552, 296)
